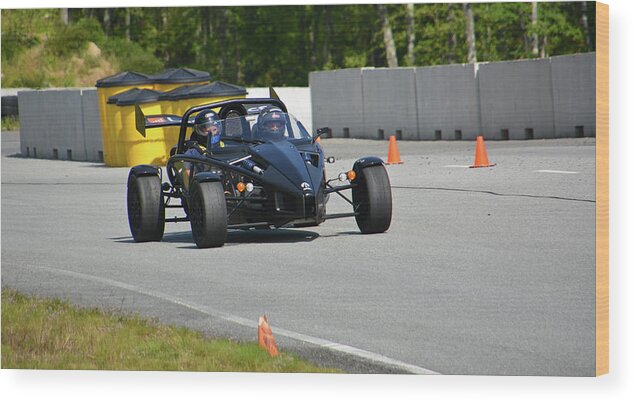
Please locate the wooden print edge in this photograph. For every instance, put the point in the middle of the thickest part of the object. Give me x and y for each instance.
(602, 190)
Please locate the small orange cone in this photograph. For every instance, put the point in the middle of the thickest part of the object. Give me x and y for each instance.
(393, 156)
(318, 140)
(265, 336)
(481, 159)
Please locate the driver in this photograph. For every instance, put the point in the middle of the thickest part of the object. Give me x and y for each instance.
(271, 123)
(207, 132)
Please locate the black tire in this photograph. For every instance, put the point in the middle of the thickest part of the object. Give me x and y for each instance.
(372, 198)
(146, 210)
(208, 214)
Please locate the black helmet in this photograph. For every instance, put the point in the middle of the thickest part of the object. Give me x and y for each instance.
(271, 122)
(204, 125)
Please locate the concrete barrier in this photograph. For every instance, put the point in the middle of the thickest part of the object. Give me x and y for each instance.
(31, 136)
(543, 98)
(337, 101)
(65, 124)
(574, 95)
(51, 124)
(516, 100)
(91, 125)
(447, 102)
(389, 103)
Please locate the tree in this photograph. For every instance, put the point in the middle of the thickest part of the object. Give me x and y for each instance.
(280, 45)
(470, 33)
(388, 40)
(107, 27)
(411, 34)
(585, 25)
(63, 12)
(452, 36)
(534, 28)
(127, 24)
(327, 53)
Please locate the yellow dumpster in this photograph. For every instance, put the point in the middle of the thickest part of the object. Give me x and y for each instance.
(215, 92)
(116, 148)
(169, 105)
(106, 88)
(176, 77)
(138, 149)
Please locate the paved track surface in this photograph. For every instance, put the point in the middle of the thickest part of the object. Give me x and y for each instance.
(483, 271)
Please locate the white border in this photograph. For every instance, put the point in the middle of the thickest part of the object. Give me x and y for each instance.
(616, 386)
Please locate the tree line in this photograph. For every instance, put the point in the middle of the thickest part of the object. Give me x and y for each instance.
(280, 45)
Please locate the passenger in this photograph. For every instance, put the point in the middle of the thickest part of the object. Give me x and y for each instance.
(271, 123)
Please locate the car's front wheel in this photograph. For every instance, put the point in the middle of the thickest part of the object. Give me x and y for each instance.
(208, 214)
(146, 210)
(372, 199)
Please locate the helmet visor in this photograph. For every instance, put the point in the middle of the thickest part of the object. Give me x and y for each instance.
(274, 125)
(207, 128)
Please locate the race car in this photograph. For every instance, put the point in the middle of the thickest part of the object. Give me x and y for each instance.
(254, 181)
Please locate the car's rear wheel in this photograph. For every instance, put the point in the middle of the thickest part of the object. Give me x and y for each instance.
(372, 199)
(208, 214)
(146, 210)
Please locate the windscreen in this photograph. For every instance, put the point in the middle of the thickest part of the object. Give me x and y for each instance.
(282, 126)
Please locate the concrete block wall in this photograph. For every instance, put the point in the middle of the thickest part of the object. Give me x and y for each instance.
(60, 124)
(516, 97)
(543, 98)
(91, 125)
(574, 95)
(337, 101)
(389, 103)
(56, 121)
(447, 106)
(30, 134)
(51, 124)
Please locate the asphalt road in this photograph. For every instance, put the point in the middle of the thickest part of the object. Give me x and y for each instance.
(483, 271)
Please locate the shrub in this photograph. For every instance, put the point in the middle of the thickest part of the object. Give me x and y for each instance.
(70, 39)
(23, 72)
(10, 123)
(23, 29)
(14, 42)
(132, 57)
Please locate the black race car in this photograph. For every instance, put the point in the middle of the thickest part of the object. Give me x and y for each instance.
(253, 181)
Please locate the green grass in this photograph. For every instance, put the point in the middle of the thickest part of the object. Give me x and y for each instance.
(39, 333)
(10, 123)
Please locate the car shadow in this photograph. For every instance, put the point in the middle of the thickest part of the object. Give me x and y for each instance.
(347, 233)
(99, 165)
(271, 236)
(238, 237)
(87, 164)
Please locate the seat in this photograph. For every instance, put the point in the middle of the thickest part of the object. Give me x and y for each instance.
(255, 134)
(201, 140)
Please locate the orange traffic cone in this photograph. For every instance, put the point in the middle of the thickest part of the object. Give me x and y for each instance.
(393, 156)
(265, 336)
(318, 140)
(481, 159)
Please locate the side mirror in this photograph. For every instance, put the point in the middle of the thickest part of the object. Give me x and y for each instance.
(322, 131)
